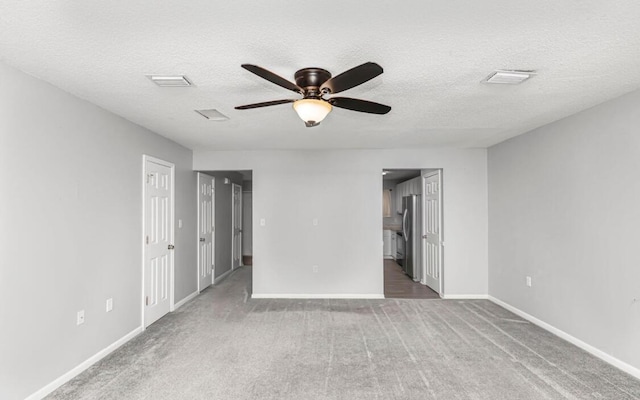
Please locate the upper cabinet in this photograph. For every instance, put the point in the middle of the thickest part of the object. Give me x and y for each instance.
(406, 188)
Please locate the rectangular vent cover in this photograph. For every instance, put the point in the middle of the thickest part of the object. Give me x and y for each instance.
(213, 115)
(170, 80)
(508, 77)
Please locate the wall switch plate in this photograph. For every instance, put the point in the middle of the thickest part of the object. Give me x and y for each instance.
(528, 281)
(263, 222)
(80, 319)
(315, 222)
(315, 268)
(179, 223)
(109, 305)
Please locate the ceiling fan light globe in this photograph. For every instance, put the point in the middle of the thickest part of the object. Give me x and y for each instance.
(312, 110)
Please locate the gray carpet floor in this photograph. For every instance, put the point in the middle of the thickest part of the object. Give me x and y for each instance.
(224, 345)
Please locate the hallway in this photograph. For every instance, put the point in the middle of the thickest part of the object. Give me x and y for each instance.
(398, 285)
(223, 345)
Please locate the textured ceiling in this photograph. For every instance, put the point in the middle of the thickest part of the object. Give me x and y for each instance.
(434, 54)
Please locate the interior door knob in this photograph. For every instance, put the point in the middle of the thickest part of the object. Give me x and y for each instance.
(171, 247)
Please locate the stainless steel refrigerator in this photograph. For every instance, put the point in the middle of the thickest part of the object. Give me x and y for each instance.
(412, 234)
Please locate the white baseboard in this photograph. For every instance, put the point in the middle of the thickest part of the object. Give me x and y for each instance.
(222, 277)
(84, 365)
(185, 300)
(631, 370)
(315, 296)
(465, 296)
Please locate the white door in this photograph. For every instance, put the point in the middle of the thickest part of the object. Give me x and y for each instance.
(158, 239)
(236, 217)
(432, 230)
(205, 230)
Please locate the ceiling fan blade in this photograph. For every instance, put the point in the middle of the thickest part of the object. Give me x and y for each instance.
(353, 77)
(271, 77)
(359, 105)
(264, 104)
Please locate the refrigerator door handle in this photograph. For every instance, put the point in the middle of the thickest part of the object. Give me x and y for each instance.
(404, 224)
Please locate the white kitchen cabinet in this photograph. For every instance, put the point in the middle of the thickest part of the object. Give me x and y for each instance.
(394, 247)
(415, 186)
(387, 246)
(398, 191)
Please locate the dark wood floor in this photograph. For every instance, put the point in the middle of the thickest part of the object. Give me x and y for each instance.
(398, 285)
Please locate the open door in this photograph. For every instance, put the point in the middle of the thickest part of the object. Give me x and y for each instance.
(236, 215)
(206, 190)
(432, 229)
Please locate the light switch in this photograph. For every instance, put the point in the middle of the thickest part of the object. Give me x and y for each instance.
(315, 222)
(263, 222)
(179, 223)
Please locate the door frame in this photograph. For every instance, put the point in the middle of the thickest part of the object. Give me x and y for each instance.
(146, 159)
(213, 224)
(233, 220)
(430, 170)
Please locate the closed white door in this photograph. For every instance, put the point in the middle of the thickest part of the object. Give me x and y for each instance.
(236, 241)
(432, 230)
(205, 230)
(158, 239)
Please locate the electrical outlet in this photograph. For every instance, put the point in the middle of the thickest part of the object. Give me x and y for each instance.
(109, 304)
(528, 281)
(80, 319)
(315, 268)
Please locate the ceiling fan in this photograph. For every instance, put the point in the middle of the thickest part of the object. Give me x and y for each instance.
(315, 83)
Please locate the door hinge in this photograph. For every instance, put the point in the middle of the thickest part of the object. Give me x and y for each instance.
(147, 240)
(146, 301)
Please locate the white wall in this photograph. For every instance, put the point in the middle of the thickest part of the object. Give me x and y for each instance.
(565, 209)
(342, 189)
(70, 228)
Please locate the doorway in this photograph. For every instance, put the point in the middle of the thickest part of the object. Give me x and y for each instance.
(407, 223)
(236, 228)
(230, 224)
(206, 230)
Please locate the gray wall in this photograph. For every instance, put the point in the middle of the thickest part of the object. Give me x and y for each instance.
(564, 208)
(223, 219)
(342, 190)
(71, 228)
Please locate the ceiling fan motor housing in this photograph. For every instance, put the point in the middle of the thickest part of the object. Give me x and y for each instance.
(310, 79)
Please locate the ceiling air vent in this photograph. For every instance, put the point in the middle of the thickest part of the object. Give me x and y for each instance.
(212, 115)
(170, 80)
(508, 77)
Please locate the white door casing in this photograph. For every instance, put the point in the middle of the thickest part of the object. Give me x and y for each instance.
(158, 235)
(432, 230)
(236, 226)
(206, 187)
